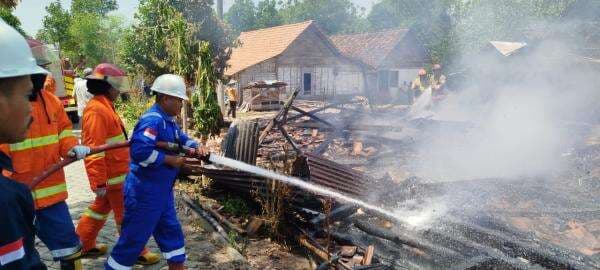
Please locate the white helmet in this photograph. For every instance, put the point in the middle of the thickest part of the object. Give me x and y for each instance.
(171, 85)
(15, 56)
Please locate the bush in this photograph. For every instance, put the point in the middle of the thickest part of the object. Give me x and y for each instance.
(132, 108)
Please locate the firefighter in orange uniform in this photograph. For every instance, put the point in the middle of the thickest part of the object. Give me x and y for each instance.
(50, 84)
(49, 139)
(107, 170)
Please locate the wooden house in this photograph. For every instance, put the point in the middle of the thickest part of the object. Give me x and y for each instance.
(299, 54)
(392, 57)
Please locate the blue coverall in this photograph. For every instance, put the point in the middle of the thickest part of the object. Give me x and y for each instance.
(149, 202)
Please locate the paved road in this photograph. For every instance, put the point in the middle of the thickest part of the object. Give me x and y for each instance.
(204, 250)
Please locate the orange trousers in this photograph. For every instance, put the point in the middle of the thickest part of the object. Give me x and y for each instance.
(93, 218)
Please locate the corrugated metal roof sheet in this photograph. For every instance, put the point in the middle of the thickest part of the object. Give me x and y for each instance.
(508, 48)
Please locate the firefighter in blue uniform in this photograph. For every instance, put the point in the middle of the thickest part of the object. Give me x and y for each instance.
(20, 80)
(149, 202)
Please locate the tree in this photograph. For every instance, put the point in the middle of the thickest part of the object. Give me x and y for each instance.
(162, 42)
(56, 25)
(334, 16)
(9, 3)
(86, 32)
(267, 14)
(99, 7)
(207, 116)
(241, 16)
(98, 38)
(12, 20)
(206, 26)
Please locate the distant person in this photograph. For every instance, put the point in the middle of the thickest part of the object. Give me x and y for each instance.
(20, 81)
(81, 91)
(232, 96)
(421, 83)
(438, 80)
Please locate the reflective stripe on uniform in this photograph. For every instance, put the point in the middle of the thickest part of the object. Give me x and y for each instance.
(34, 142)
(101, 154)
(116, 180)
(151, 159)
(60, 253)
(49, 191)
(115, 265)
(66, 133)
(171, 254)
(116, 139)
(95, 215)
(188, 144)
(151, 114)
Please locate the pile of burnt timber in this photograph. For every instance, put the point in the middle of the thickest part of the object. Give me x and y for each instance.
(345, 237)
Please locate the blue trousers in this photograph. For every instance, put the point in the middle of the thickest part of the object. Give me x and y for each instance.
(148, 212)
(55, 229)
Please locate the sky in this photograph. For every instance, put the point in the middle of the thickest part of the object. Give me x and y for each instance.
(31, 12)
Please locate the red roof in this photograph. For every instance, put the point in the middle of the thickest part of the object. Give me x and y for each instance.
(263, 44)
(369, 48)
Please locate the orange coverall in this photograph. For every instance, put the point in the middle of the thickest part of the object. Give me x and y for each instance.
(102, 125)
(49, 139)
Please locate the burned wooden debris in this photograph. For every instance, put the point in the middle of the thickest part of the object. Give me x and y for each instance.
(334, 151)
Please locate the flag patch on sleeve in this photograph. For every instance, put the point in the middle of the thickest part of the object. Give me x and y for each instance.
(150, 133)
(12, 252)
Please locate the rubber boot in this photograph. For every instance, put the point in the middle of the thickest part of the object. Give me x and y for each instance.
(176, 266)
(148, 258)
(72, 262)
(98, 250)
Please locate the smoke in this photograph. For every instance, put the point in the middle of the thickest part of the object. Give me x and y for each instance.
(520, 113)
(525, 113)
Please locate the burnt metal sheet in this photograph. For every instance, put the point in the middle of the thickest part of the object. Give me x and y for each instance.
(330, 174)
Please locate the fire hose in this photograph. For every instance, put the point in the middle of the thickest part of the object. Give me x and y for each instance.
(173, 147)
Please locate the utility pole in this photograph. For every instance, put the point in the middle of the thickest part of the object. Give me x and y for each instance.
(220, 9)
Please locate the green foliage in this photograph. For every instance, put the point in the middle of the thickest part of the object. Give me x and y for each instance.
(165, 40)
(98, 7)
(10, 19)
(56, 25)
(206, 26)
(235, 206)
(132, 109)
(146, 45)
(449, 28)
(85, 32)
(207, 114)
(9, 3)
(267, 14)
(334, 16)
(242, 16)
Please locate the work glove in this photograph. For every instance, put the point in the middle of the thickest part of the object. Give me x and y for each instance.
(79, 151)
(100, 192)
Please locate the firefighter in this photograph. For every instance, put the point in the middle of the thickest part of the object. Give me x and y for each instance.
(107, 170)
(421, 83)
(232, 96)
(49, 139)
(438, 80)
(18, 70)
(149, 202)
